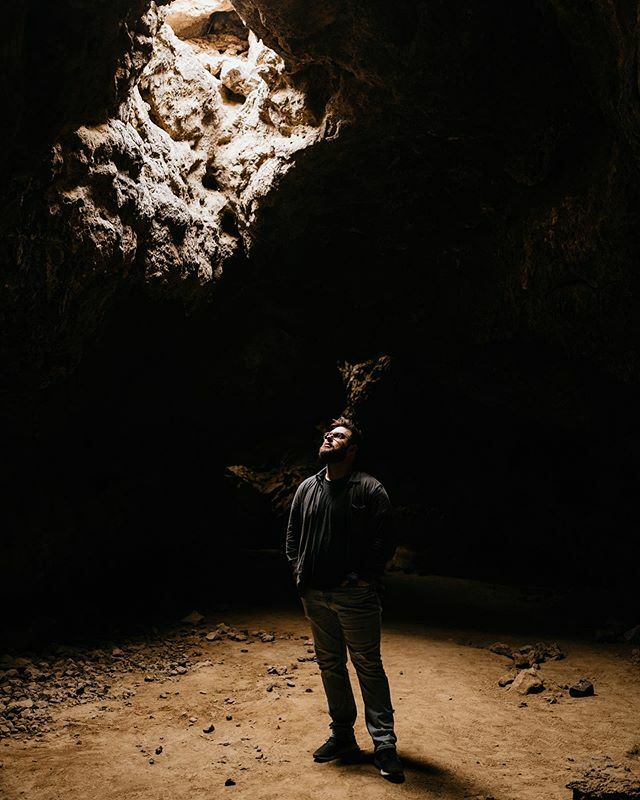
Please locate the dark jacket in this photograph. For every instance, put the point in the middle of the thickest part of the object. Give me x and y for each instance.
(369, 527)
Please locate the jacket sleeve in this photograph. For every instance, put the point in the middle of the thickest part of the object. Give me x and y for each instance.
(292, 542)
(382, 539)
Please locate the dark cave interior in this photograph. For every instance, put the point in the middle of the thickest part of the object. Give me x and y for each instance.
(476, 221)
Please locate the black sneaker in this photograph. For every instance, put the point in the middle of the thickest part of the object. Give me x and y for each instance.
(336, 748)
(389, 764)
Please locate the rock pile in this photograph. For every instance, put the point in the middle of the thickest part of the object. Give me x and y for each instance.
(529, 654)
(31, 686)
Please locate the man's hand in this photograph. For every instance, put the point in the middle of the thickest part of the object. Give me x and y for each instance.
(359, 582)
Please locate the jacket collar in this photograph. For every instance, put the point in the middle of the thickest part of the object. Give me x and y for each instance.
(353, 478)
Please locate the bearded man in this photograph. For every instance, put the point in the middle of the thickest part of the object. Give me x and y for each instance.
(339, 537)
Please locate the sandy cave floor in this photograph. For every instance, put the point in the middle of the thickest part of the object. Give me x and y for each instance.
(459, 734)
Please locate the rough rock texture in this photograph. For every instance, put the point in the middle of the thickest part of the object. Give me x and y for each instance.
(527, 681)
(606, 779)
(164, 190)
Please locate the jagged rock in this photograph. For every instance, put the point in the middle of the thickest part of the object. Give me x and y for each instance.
(507, 678)
(360, 380)
(583, 688)
(192, 18)
(527, 681)
(236, 75)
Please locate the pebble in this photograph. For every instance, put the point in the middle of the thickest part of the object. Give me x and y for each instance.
(506, 679)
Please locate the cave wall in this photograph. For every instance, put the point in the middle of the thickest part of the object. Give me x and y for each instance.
(455, 187)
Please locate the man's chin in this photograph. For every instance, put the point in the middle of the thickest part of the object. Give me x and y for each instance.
(330, 456)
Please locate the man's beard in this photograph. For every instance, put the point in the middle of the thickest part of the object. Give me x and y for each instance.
(333, 456)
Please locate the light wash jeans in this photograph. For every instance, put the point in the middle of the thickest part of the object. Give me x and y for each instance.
(350, 617)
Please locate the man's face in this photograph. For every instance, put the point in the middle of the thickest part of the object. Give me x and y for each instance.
(335, 445)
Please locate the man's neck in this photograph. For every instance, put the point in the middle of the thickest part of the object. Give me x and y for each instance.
(337, 471)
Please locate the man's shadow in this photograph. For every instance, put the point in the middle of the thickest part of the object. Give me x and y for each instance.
(422, 775)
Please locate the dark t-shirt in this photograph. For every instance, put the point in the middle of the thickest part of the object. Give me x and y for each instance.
(331, 561)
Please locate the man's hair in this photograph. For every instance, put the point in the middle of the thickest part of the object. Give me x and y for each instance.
(352, 425)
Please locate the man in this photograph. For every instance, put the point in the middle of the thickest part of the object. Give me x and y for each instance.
(339, 538)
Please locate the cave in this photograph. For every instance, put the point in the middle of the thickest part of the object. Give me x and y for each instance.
(224, 224)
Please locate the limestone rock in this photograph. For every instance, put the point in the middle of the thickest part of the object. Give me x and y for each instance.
(191, 18)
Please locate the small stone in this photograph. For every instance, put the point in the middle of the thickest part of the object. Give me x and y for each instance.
(209, 729)
(229, 782)
(151, 761)
(158, 749)
(506, 679)
(308, 690)
(583, 688)
(228, 716)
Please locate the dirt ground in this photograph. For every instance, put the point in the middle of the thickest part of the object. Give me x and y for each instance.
(460, 735)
